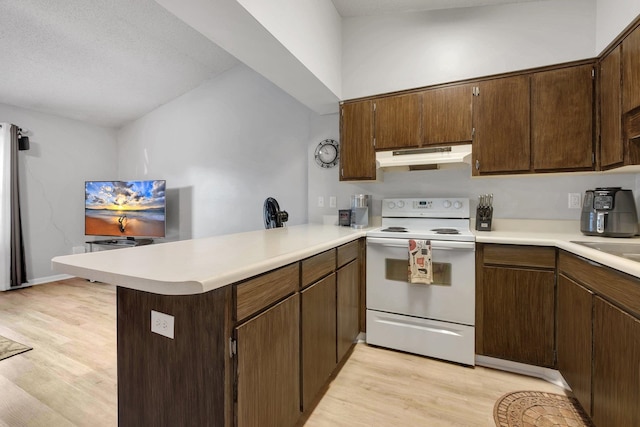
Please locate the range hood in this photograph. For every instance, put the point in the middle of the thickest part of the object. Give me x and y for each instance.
(424, 158)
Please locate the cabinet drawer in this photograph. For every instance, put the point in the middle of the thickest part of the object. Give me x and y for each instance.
(318, 266)
(256, 294)
(617, 287)
(348, 252)
(520, 256)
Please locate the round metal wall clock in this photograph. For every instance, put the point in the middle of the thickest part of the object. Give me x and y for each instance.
(327, 153)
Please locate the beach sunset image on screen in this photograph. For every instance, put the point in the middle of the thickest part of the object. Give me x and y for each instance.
(125, 208)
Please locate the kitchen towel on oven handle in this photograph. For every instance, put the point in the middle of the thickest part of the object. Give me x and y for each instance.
(420, 268)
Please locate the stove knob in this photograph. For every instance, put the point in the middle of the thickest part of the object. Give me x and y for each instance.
(457, 205)
(391, 205)
(400, 204)
(446, 204)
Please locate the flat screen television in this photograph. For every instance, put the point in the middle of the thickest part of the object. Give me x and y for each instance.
(125, 208)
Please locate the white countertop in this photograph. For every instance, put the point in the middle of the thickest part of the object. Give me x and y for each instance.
(560, 234)
(200, 265)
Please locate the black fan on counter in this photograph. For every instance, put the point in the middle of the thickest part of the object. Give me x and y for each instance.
(273, 216)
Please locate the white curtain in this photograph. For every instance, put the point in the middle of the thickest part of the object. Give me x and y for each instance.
(5, 202)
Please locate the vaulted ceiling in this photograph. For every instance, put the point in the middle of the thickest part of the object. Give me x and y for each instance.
(110, 62)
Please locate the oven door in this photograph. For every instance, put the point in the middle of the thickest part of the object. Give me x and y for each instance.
(451, 296)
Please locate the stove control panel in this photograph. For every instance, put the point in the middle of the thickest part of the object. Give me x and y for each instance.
(423, 204)
(426, 207)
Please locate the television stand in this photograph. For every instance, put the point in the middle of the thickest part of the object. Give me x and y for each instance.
(129, 242)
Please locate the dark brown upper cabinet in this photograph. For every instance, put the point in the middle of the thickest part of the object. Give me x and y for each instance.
(357, 154)
(611, 145)
(562, 119)
(631, 71)
(631, 97)
(501, 118)
(447, 115)
(398, 121)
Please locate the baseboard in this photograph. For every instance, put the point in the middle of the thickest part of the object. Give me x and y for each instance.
(550, 375)
(40, 281)
(50, 279)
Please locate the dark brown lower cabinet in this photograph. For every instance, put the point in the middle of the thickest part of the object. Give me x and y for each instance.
(268, 367)
(348, 301)
(616, 366)
(600, 303)
(518, 315)
(318, 331)
(165, 382)
(573, 337)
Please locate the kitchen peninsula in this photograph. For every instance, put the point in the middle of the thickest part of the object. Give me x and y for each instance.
(255, 315)
(263, 319)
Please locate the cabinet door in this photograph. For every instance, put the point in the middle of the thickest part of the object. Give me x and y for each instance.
(631, 71)
(616, 366)
(562, 119)
(318, 310)
(447, 114)
(398, 121)
(357, 155)
(611, 145)
(348, 306)
(268, 367)
(501, 118)
(574, 343)
(518, 315)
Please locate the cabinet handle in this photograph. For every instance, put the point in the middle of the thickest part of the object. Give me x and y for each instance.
(478, 165)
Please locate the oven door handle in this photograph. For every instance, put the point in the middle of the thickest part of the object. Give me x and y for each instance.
(435, 244)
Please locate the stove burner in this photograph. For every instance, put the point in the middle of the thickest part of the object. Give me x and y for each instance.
(445, 231)
(396, 229)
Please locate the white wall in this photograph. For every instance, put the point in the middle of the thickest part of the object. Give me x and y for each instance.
(394, 52)
(229, 25)
(613, 16)
(309, 29)
(223, 148)
(536, 196)
(64, 153)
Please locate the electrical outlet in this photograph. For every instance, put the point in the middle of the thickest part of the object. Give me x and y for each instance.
(321, 201)
(162, 324)
(332, 201)
(575, 201)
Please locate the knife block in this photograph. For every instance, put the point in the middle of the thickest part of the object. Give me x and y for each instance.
(483, 218)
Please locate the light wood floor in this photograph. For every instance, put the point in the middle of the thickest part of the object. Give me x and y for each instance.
(378, 387)
(69, 378)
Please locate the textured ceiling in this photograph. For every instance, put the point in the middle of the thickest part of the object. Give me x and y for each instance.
(101, 61)
(378, 7)
(109, 62)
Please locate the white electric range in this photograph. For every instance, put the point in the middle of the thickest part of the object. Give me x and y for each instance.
(435, 320)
